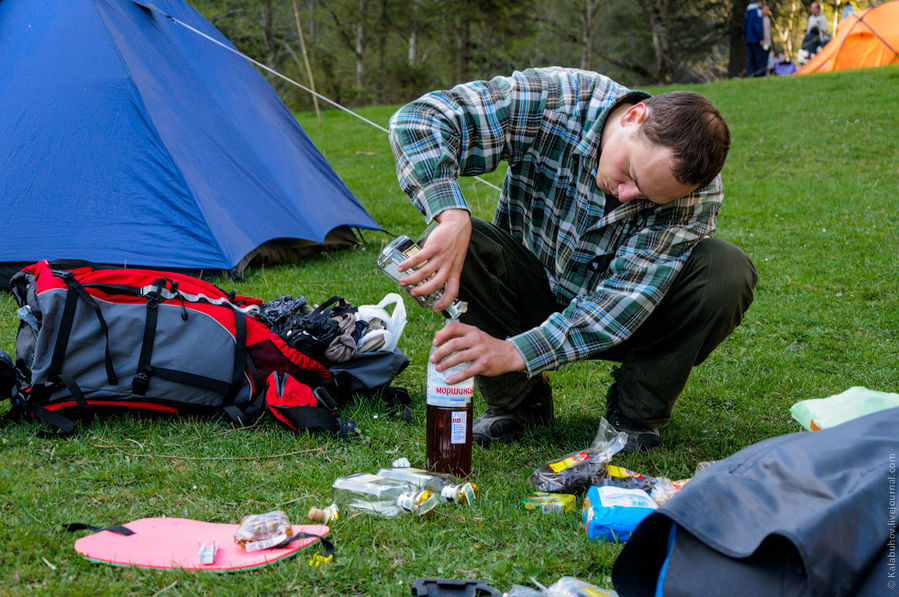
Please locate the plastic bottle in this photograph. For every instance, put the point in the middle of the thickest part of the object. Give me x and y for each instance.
(441, 484)
(371, 493)
(449, 418)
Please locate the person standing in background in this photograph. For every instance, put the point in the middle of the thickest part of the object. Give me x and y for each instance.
(847, 10)
(754, 34)
(766, 28)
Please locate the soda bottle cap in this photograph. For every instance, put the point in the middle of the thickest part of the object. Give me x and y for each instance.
(325, 515)
(425, 502)
(465, 494)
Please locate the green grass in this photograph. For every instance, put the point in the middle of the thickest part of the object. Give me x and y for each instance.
(810, 196)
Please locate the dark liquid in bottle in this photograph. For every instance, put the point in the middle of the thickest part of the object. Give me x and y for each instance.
(446, 425)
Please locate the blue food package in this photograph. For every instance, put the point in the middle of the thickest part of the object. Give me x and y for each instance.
(612, 513)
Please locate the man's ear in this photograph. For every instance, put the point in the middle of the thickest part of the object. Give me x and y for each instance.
(636, 114)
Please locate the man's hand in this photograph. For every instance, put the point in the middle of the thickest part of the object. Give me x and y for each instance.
(459, 342)
(444, 251)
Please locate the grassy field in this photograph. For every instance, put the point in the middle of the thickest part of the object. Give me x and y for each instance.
(811, 196)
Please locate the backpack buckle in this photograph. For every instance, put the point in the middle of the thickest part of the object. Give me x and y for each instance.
(140, 383)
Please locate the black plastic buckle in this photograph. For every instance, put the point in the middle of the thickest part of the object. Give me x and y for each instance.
(324, 398)
(140, 383)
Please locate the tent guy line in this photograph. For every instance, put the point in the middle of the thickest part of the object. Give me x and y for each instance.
(149, 6)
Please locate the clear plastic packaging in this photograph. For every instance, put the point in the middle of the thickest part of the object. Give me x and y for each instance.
(575, 472)
(262, 531)
(664, 489)
(704, 465)
(661, 489)
(567, 586)
(378, 495)
(617, 476)
(441, 484)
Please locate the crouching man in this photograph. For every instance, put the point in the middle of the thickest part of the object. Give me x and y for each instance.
(600, 246)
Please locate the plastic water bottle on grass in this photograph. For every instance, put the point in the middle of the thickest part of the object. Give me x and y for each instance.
(378, 495)
(442, 484)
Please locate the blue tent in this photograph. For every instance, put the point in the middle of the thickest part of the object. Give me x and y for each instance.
(127, 139)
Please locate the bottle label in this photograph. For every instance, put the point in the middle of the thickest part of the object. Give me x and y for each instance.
(406, 501)
(459, 426)
(442, 394)
(619, 472)
(561, 465)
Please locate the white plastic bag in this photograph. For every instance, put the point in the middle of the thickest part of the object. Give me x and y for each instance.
(394, 323)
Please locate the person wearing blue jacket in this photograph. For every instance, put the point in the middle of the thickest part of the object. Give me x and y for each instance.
(754, 34)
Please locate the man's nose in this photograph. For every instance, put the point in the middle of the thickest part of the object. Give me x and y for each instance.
(626, 192)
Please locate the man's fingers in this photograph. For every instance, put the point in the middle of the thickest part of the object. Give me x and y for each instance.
(425, 270)
(469, 371)
(450, 292)
(424, 254)
(447, 354)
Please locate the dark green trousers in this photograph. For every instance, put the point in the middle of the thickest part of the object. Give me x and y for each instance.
(507, 293)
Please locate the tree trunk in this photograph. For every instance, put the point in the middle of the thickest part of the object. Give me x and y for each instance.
(736, 65)
(658, 15)
(268, 33)
(414, 24)
(590, 7)
(360, 43)
(463, 47)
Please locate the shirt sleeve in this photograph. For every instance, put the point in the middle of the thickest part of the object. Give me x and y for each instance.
(636, 280)
(467, 130)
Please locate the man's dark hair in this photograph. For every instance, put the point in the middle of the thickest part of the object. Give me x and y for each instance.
(694, 130)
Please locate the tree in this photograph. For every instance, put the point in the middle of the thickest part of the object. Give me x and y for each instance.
(392, 50)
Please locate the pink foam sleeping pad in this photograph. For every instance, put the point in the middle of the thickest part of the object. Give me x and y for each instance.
(175, 543)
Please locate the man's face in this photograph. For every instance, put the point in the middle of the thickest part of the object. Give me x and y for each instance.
(631, 167)
(814, 8)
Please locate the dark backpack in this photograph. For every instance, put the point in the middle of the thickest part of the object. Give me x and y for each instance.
(315, 332)
(96, 339)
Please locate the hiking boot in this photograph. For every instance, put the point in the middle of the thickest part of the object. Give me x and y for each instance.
(639, 437)
(535, 409)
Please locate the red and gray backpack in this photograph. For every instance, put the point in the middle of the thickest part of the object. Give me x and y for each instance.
(93, 339)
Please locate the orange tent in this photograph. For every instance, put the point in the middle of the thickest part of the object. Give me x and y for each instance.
(870, 38)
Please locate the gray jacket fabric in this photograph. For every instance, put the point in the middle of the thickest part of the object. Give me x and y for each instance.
(810, 513)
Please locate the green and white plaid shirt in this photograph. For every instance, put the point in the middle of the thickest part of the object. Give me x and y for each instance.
(609, 271)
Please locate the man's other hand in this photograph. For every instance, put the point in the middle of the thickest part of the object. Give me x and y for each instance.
(459, 342)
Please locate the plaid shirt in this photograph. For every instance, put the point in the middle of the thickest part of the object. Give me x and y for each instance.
(607, 271)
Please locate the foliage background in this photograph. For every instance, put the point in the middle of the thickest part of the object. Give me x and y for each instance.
(390, 51)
